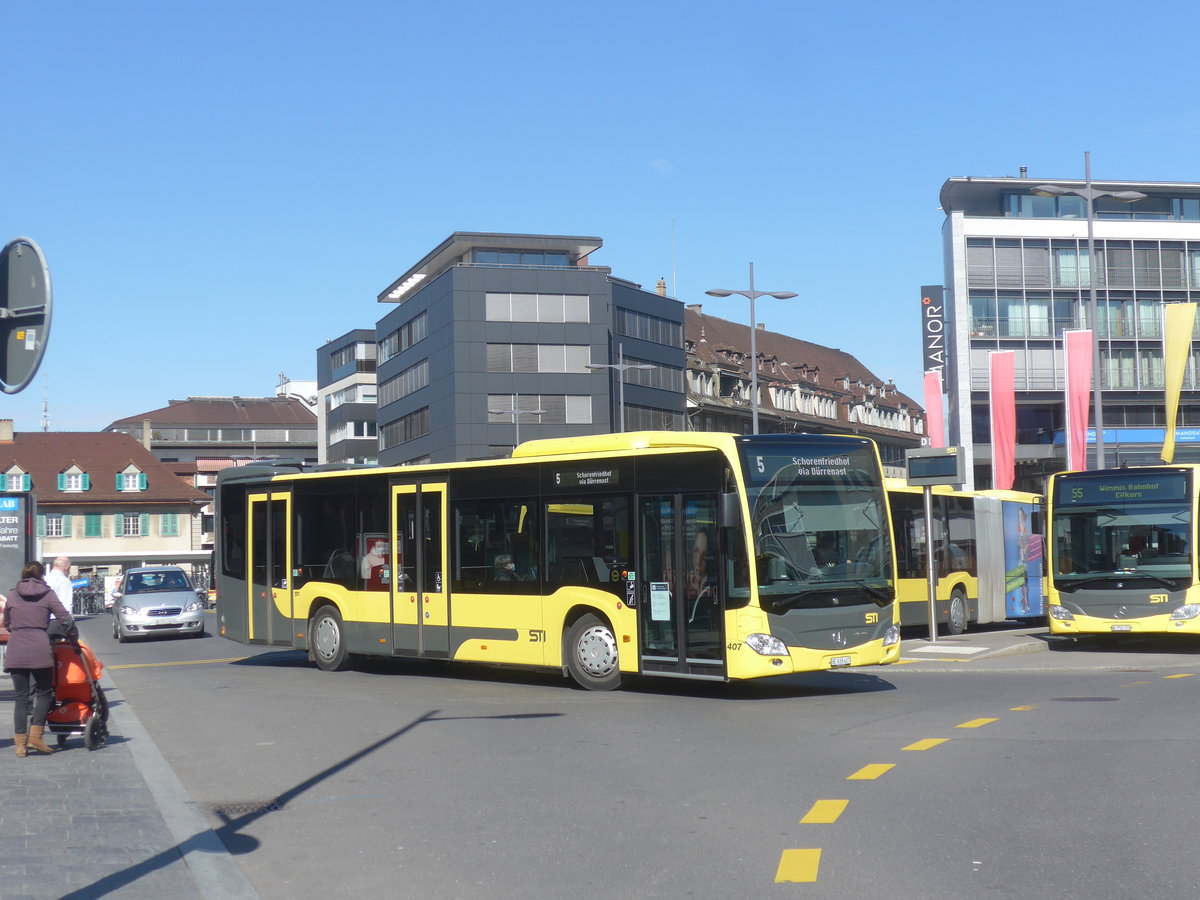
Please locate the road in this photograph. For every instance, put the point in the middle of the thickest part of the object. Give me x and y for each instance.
(1065, 774)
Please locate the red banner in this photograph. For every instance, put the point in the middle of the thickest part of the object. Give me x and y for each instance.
(935, 422)
(1077, 352)
(1004, 420)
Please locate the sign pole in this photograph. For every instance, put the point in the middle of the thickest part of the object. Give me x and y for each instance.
(930, 567)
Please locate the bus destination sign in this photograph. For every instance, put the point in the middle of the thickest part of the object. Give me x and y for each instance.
(593, 476)
(1118, 489)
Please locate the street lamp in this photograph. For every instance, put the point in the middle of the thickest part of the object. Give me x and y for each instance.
(1090, 194)
(620, 367)
(752, 294)
(515, 412)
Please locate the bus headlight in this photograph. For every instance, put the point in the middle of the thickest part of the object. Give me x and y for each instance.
(1187, 611)
(1061, 613)
(891, 636)
(767, 645)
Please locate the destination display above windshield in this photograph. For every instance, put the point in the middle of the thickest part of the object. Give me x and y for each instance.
(763, 467)
(1108, 490)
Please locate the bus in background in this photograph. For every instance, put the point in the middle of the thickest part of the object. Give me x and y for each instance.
(987, 549)
(686, 555)
(1122, 551)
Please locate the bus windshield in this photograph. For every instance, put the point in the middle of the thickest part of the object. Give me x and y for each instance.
(818, 519)
(1119, 525)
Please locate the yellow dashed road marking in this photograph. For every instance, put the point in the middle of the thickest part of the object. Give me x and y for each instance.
(798, 866)
(926, 744)
(1134, 683)
(871, 772)
(1023, 708)
(824, 812)
(975, 723)
(1183, 675)
(185, 662)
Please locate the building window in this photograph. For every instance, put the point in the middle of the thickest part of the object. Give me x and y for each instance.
(667, 378)
(412, 331)
(168, 525)
(556, 409)
(647, 418)
(361, 354)
(130, 524)
(411, 379)
(17, 481)
(551, 358)
(406, 428)
(92, 525)
(74, 481)
(539, 258)
(649, 328)
(131, 481)
(54, 525)
(536, 307)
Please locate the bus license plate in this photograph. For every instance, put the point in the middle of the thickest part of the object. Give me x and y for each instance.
(838, 661)
(1122, 627)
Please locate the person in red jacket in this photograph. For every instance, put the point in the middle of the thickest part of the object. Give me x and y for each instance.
(30, 658)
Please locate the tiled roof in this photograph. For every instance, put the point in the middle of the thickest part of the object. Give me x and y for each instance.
(245, 411)
(44, 455)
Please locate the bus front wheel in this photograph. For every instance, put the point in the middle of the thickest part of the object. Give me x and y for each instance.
(327, 640)
(592, 655)
(956, 617)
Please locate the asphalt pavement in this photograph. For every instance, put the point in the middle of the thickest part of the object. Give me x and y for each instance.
(112, 822)
(117, 822)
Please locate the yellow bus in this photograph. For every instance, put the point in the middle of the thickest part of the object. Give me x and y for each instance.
(1122, 551)
(690, 555)
(987, 549)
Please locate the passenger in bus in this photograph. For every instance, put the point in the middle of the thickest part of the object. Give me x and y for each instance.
(373, 568)
(826, 552)
(504, 568)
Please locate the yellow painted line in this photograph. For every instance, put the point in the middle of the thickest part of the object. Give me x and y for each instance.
(943, 659)
(1134, 683)
(185, 662)
(798, 866)
(824, 812)
(1023, 708)
(871, 772)
(1183, 675)
(975, 723)
(927, 744)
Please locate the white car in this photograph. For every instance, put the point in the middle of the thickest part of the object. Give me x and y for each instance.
(157, 600)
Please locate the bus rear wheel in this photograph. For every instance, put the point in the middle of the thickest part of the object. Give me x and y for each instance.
(956, 616)
(327, 640)
(592, 654)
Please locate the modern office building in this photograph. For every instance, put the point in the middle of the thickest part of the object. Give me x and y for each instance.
(346, 424)
(493, 339)
(1017, 275)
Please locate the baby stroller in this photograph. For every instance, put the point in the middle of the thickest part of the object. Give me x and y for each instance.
(79, 703)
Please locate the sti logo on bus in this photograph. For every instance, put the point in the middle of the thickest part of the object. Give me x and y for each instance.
(1159, 598)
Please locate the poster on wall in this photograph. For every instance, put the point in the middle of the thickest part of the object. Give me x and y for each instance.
(1022, 563)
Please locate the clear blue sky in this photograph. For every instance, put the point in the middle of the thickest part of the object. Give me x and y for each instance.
(221, 187)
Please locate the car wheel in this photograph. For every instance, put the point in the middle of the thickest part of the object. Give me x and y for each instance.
(592, 654)
(327, 640)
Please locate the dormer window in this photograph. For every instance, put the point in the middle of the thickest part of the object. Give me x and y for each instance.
(131, 479)
(73, 480)
(16, 479)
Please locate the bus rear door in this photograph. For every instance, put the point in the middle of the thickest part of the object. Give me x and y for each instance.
(269, 592)
(420, 599)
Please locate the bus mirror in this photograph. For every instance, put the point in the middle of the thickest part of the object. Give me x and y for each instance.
(730, 511)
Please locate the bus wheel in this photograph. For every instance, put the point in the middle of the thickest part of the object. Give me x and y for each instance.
(327, 640)
(592, 656)
(956, 622)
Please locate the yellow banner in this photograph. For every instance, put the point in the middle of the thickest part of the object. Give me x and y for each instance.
(1178, 320)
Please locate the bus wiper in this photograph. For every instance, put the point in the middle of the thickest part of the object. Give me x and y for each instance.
(878, 597)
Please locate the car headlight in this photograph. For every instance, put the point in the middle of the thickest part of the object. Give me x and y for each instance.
(193, 606)
(891, 636)
(129, 610)
(1187, 611)
(1061, 613)
(767, 645)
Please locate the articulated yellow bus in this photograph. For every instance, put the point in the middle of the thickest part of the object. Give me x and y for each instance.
(1122, 551)
(987, 548)
(690, 555)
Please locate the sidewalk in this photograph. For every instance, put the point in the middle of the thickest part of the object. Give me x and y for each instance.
(113, 822)
(988, 643)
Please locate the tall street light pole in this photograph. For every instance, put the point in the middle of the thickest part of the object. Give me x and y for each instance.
(515, 412)
(753, 295)
(1090, 194)
(620, 367)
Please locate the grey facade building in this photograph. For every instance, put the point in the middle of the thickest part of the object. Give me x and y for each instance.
(346, 412)
(1017, 275)
(492, 336)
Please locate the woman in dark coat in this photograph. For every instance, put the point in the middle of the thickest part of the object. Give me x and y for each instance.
(30, 657)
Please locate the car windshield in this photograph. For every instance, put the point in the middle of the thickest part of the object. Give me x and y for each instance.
(154, 582)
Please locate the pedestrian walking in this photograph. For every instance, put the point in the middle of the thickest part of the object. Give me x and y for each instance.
(30, 658)
(59, 579)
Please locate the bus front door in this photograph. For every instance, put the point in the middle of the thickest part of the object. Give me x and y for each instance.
(681, 606)
(420, 600)
(269, 592)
